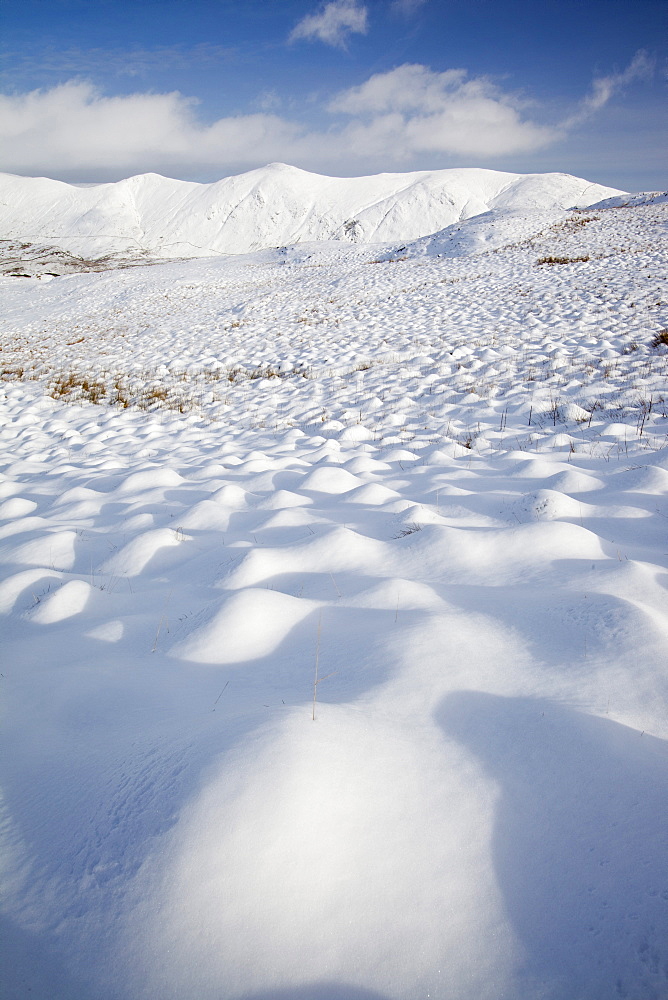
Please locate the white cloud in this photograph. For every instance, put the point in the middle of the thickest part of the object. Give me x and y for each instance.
(73, 128)
(414, 109)
(333, 23)
(604, 88)
(406, 7)
(410, 87)
(408, 117)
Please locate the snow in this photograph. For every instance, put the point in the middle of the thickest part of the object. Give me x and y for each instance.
(424, 478)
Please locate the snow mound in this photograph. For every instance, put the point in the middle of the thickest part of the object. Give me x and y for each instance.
(249, 624)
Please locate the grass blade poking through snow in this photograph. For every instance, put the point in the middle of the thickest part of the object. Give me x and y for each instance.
(317, 680)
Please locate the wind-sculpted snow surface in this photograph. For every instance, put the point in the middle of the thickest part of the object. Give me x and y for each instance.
(273, 206)
(333, 598)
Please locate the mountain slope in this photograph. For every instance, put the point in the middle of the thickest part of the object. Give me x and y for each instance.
(272, 206)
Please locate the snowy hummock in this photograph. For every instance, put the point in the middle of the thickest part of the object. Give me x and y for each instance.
(430, 475)
(273, 206)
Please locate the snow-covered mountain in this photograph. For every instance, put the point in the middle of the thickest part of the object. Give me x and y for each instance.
(273, 206)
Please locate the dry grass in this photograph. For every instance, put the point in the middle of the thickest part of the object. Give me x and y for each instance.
(409, 529)
(78, 387)
(562, 260)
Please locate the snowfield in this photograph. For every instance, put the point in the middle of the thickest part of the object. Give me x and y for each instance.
(333, 600)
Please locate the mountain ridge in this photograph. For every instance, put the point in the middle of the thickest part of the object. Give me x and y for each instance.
(273, 205)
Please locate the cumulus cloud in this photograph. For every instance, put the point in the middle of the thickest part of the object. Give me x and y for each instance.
(407, 117)
(414, 109)
(333, 23)
(73, 127)
(604, 88)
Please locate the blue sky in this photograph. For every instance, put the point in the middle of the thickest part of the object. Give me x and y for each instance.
(98, 90)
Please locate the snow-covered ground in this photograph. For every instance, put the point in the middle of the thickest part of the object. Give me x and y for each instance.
(430, 477)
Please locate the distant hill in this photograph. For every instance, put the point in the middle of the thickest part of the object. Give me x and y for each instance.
(276, 205)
